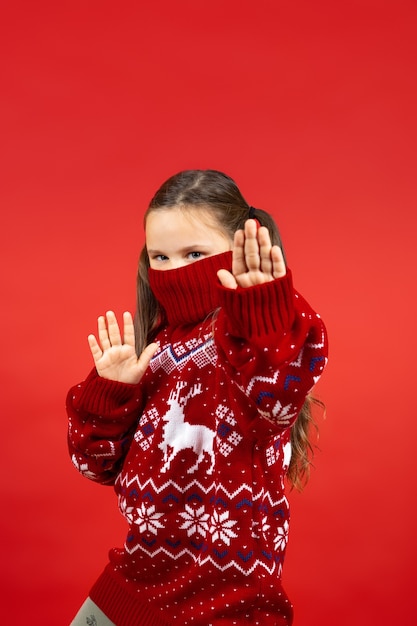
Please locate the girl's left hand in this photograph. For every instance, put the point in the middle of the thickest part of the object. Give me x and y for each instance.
(255, 260)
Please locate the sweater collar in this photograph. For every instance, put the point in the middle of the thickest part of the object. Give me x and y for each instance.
(188, 294)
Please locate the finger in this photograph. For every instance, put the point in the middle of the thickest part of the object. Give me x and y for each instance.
(95, 349)
(113, 329)
(128, 329)
(265, 247)
(103, 334)
(238, 262)
(227, 279)
(252, 258)
(278, 264)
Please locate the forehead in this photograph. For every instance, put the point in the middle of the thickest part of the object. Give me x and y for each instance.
(183, 219)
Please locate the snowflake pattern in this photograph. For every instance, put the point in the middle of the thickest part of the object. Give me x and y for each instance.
(281, 538)
(196, 521)
(127, 511)
(221, 527)
(148, 520)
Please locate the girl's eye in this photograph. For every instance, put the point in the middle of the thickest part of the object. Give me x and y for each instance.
(160, 257)
(195, 255)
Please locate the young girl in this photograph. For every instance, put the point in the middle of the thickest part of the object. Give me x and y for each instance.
(197, 412)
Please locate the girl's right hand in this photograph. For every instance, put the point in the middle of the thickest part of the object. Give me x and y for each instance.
(115, 357)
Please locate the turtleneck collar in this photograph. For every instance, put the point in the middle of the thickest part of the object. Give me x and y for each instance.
(189, 293)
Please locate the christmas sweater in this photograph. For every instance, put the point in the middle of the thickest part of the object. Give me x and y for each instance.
(198, 450)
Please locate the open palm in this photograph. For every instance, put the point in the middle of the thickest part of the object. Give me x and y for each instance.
(115, 357)
(255, 259)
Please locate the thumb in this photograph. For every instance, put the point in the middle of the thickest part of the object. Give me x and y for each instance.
(147, 354)
(227, 279)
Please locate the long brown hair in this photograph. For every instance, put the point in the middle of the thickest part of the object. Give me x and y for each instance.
(218, 194)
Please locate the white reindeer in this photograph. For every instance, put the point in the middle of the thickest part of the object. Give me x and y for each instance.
(180, 435)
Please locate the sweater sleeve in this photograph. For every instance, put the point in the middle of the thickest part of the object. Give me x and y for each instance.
(102, 417)
(274, 344)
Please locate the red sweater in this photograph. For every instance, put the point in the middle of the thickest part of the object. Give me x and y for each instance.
(198, 451)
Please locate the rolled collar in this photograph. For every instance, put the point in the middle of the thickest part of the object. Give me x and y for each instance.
(188, 294)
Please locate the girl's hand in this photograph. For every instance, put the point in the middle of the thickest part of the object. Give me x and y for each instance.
(255, 260)
(115, 358)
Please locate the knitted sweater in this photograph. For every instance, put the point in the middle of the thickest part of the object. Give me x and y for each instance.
(198, 450)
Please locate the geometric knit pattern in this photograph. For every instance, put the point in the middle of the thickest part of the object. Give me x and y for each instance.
(201, 352)
(190, 537)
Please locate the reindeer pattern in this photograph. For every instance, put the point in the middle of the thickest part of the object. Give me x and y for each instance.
(178, 435)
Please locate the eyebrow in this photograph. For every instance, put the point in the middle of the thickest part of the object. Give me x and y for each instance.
(197, 246)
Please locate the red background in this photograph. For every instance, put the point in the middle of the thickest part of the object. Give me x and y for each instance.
(311, 107)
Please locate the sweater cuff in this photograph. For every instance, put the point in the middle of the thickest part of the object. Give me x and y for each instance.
(260, 310)
(100, 396)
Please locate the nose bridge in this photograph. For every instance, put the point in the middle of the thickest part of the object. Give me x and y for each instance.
(176, 262)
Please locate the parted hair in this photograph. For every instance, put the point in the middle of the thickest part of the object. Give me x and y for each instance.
(217, 195)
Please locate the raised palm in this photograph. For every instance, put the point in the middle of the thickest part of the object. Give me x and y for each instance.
(115, 356)
(255, 259)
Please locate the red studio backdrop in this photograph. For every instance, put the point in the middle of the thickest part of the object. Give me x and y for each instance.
(311, 108)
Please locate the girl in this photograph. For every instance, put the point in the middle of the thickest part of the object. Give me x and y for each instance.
(196, 412)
